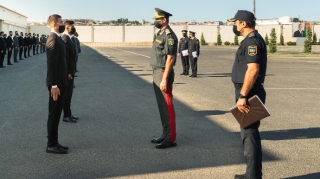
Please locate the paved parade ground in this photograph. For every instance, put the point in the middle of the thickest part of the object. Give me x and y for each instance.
(115, 101)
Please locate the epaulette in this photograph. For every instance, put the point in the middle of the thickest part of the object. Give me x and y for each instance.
(168, 31)
(251, 35)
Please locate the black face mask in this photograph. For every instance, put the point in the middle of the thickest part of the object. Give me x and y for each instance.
(61, 28)
(17, 34)
(21, 35)
(157, 24)
(184, 35)
(235, 31)
(73, 30)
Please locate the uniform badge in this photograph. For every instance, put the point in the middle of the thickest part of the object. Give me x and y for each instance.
(170, 41)
(252, 50)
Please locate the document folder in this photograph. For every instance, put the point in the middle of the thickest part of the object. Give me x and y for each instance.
(257, 112)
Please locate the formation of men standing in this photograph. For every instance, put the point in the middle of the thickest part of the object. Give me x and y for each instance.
(189, 50)
(19, 44)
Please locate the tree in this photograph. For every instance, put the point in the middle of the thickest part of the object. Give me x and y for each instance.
(219, 41)
(236, 40)
(308, 41)
(202, 40)
(273, 41)
(281, 39)
(315, 39)
(266, 39)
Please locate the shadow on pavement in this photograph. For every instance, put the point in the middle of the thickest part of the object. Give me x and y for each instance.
(118, 118)
(307, 133)
(308, 176)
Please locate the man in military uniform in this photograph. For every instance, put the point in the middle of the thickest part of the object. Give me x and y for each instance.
(183, 45)
(248, 74)
(194, 51)
(163, 56)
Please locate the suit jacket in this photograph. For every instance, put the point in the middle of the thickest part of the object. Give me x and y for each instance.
(37, 40)
(9, 42)
(76, 45)
(2, 44)
(298, 34)
(193, 45)
(56, 61)
(34, 40)
(26, 41)
(15, 41)
(71, 54)
(21, 41)
(30, 40)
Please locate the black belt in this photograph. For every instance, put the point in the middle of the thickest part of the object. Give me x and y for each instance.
(239, 85)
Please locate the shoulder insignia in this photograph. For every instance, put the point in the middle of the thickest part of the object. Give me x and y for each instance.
(168, 31)
(170, 41)
(159, 41)
(251, 35)
(252, 50)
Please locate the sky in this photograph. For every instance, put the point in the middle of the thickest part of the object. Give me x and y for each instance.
(182, 10)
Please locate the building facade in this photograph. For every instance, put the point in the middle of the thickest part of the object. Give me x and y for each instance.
(11, 20)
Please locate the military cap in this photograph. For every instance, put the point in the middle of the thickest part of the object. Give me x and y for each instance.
(192, 32)
(184, 31)
(243, 15)
(161, 13)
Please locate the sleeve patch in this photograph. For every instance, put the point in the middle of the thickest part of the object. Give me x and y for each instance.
(171, 41)
(159, 41)
(252, 50)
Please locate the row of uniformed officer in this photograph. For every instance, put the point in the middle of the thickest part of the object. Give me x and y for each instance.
(189, 50)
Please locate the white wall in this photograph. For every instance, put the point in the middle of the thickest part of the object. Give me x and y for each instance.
(317, 31)
(266, 29)
(84, 33)
(138, 33)
(39, 30)
(209, 32)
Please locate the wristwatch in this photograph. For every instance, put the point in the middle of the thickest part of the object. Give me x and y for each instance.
(242, 97)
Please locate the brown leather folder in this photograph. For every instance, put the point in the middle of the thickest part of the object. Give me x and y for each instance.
(257, 112)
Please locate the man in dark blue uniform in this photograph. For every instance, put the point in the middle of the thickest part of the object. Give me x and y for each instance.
(194, 51)
(183, 45)
(248, 74)
(163, 57)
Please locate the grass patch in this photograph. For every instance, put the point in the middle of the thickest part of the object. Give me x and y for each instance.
(292, 54)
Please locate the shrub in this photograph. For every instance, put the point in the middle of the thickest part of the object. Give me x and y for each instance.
(308, 42)
(289, 43)
(281, 39)
(236, 40)
(266, 39)
(226, 43)
(315, 39)
(219, 41)
(202, 40)
(273, 41)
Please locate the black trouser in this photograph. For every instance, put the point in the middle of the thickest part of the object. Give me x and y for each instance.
(25, 51)
(193, 62)
(55, 109)
(1, 58)
(251, 141)
(34, 49)
(165, 105)
(44, 48)
(185, 64)
(9, 55)
(29, 48)
(41, 48)
(20, 52)
(67, 100)
(15, 53)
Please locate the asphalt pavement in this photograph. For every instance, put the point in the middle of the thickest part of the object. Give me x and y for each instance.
(115, 101)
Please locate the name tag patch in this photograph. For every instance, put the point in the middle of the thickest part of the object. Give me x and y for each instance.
(253, 50)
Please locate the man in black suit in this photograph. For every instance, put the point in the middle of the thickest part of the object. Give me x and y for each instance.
(71, 56)
(21, 45)
(9, 46)
(2, 49)
(300, 32)
(34, 43)
(57, 81)
(26, 45)
(30, 43)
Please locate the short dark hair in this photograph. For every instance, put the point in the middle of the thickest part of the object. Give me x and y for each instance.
(68, 22)
(250, 24)
(76, 34)
(1, 32)
(167, 19)
(53, 18)
(10, 31)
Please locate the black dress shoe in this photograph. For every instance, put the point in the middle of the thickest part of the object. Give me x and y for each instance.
(20, 59)
(74, 117)
(240, 176)
(2, 66)
(182, 73)
(77, 71)
(16, 62)
(9, 64)
(69, 119)
(63, 147)
(75, 76)
(166, 144)
(186, 74)
(56, 150)
(157, 140)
